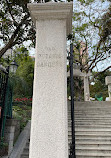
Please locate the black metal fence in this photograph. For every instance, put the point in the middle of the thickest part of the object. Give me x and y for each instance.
(5, 100)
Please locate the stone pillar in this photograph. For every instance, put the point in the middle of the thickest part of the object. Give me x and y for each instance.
(108, 82)
(86, 88)
(49, 128)
(12, 130)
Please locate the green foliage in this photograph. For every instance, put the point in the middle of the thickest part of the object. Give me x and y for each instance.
(21, 54)
(22, 81)
(23, 113)
(86, 2)
(99, 86)
(3, 143)
(26, 72)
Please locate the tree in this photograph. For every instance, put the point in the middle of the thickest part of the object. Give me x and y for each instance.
(92, 25)
(99, 85)
(23, 79)
(26, 72)
(16, 25)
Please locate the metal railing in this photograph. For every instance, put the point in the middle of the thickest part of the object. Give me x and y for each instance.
(5, 100)
(72, 145)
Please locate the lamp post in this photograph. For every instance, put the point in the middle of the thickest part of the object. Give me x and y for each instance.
(6, 94)
(13, 66)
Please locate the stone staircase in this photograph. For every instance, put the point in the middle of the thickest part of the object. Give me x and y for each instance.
(92, 130)
(25, 153)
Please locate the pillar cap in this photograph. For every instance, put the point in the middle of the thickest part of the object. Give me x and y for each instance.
(52, 10)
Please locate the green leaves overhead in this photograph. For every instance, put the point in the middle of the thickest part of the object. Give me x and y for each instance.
(86, 2)
(82, 28)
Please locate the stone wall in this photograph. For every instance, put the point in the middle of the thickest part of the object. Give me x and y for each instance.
(12, 130)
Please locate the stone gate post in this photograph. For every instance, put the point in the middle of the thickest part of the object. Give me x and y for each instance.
(86, 87)
(49, 129)
(108, 82)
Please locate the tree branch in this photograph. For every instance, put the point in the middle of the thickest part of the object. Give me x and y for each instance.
(94, 76)
(9, 9)
(10, 43)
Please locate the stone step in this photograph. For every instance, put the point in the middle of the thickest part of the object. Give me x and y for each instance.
(83, 115)
(27, 144)
(91, 123)
(87, 114)
(92, 133)
(81, 123)
(92, 142)
(89, 108)
(91, 137)
(93, 147)
(91, 126)
(98, 115)
(91, 111)
(26, 149)
(25, 154)
(92, 119)
(91, 129)
(108, 116)
(95, 114)
(90, 103)
(94, 152)
(92, 116)
(85, 106)
(86, 156)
